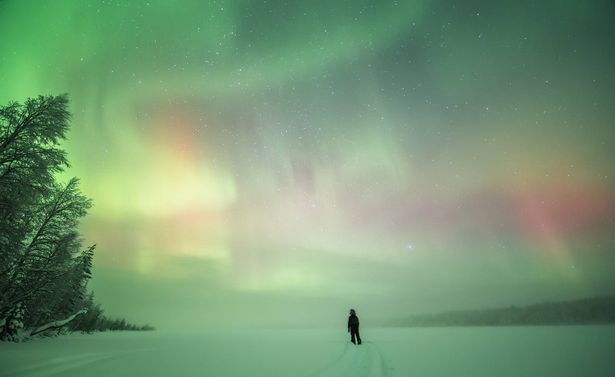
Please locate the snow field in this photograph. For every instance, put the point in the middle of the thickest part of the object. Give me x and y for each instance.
(477, 351)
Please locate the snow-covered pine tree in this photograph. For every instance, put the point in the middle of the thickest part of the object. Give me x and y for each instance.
(42, 268)
(13, 324)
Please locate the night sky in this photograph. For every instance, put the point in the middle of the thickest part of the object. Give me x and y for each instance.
(278, 162)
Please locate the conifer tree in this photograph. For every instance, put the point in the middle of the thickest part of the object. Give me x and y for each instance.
(43, 270)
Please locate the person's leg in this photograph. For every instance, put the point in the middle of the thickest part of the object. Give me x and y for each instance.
(358, 336)
(352, 335)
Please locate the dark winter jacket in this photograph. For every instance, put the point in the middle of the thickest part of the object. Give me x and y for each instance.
(353, 321)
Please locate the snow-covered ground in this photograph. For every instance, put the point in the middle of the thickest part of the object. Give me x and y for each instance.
(464, 351)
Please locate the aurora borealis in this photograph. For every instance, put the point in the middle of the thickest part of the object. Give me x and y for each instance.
(293, 159)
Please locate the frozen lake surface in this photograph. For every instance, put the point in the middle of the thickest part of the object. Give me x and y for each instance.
(460, 351)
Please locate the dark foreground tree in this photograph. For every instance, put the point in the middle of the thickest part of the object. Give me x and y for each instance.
(43, 267)
(43, 270)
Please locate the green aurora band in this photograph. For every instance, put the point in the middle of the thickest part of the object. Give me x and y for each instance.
(294, 159)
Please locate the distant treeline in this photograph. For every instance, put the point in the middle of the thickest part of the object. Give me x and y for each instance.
(598, 310)
(95, 320)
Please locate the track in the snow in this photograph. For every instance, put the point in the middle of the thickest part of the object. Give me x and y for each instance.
(366, 360)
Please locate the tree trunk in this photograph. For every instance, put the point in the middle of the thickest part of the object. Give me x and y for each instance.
(56, 324)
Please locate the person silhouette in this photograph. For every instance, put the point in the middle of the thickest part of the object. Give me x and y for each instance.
(353, 327)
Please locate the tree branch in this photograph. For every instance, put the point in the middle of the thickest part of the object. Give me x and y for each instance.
(56, 324)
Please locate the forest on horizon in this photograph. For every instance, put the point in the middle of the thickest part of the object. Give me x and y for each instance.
(595, 310)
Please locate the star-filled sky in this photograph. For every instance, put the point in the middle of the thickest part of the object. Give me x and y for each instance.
(278, 162)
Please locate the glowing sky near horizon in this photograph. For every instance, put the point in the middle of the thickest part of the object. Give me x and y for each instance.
(293, 159)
